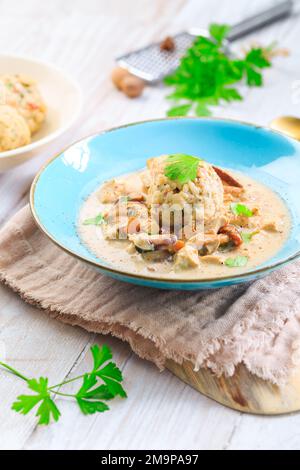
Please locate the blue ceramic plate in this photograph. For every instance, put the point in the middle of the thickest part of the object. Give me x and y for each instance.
(65, 181)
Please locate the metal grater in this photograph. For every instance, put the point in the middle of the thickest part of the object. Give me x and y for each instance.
(152, 64)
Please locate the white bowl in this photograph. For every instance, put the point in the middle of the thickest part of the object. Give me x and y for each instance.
(62, 97)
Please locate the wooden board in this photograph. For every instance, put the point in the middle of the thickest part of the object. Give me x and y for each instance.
(243, 391)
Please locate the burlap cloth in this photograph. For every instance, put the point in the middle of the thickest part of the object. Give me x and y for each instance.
(257, 324)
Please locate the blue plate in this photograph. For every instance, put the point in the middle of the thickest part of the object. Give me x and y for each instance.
(60, 188)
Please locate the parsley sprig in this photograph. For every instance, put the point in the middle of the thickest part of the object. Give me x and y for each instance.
(241, 209)
(91, 397)
(247, 236)
(206, 74)
(181, 167)
(237, 262)
(98, 220)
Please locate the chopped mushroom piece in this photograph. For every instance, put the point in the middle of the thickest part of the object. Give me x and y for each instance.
(233, 234)
(212, 259)
(227, 178)
(271, 227)
(205, 244)
(187, 257)
(144, 242)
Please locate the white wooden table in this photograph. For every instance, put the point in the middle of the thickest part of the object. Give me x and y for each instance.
(82, 37)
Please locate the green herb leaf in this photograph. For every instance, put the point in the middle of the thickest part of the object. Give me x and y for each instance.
(237, 262)
(254, 78)
(182, 168)
(181, 110)
(90, 397)
(206, 75)
(47, 408)
(90, 407)
(100, 355)
(219, 31)
(240, 209)
(257, 58)
(98, 220)
(247, 236)
(112, 376)
(202, 109)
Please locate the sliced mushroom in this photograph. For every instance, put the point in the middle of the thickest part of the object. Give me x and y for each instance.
(271, 226)
(227, 178)
(144, 242)
(233, 234)
(205, 244)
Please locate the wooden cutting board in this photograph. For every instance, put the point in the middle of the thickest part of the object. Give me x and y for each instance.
(244, 391)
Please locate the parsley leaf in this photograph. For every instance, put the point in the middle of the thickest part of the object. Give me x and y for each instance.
(206, 75)
(240, 209)
(181, 167)
(179, 110)
(247, 236)
(98, 220)
(237, 262)
(100, 355)
(219, 32)
(90, 407)
(112, 376)
(88, 398)
(91, 397)
(47, 408)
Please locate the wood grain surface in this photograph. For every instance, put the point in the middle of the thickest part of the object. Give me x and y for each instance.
(83, 37)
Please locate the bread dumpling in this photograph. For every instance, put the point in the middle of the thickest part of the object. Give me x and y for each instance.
(14, 130)
(21, 92)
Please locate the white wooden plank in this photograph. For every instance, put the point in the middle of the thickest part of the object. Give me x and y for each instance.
(160, 412)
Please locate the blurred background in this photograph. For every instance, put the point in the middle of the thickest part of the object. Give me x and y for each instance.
(84, 36)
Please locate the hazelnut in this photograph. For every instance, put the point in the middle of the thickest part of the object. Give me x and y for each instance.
(167, 44)
(117, 75)
(132, 86)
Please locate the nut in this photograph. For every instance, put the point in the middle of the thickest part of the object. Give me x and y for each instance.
(132, 86)
(117, 75)
(167, 44)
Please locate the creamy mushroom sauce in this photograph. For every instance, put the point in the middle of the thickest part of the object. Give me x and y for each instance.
(273, 218)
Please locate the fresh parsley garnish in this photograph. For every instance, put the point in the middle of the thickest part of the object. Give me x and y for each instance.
(206, 74)
(240, 209)
(181, 167)
(47, 408)
(247, 236)
(237, 262)
(91, 397)
(98, 220)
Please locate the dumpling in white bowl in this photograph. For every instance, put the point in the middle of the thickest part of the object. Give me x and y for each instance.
(22, 93)
(14, 130)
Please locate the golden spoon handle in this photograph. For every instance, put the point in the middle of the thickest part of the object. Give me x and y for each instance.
(288, 125)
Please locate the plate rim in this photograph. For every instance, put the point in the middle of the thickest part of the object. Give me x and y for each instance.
(233, 278)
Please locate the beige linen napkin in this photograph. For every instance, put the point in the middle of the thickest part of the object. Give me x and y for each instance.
(257, 324)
